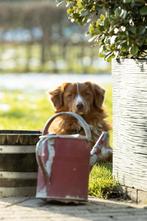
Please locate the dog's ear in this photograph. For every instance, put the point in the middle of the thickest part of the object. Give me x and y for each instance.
(98, 95)
(56, 96)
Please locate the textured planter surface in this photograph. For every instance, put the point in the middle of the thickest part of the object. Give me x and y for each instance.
(18, 168)
(130, 122)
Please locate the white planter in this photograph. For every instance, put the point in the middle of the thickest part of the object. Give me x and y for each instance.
(130, 122)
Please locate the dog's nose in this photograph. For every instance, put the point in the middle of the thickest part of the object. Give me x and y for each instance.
(80, 106)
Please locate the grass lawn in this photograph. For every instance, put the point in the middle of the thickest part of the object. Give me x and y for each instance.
(19, 110)
(27, 111)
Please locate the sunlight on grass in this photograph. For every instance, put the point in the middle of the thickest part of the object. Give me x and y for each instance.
(19, 110)
(26, 111)
(101, 183)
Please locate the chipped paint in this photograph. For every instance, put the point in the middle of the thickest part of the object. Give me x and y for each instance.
(51, 155)
(75, 197)
(42, 193)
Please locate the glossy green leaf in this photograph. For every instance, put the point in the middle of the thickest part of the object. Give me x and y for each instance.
(112, 40)
(143, 10)
(132, 29)
(139, 1)
(134, 50)
(127, 1)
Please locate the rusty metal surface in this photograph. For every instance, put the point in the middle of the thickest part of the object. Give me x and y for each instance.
(68, 178)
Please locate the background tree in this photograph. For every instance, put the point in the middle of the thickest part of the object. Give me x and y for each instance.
(46, 38)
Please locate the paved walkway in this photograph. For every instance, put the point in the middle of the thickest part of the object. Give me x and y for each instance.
(30, 209)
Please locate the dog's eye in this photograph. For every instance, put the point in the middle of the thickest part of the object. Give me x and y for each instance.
(88, 94)
(69, 95)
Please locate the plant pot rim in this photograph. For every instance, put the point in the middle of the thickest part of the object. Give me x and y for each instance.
(133, 59)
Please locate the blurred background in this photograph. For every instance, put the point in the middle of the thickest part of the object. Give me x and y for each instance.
(39, 49)
(36, 35)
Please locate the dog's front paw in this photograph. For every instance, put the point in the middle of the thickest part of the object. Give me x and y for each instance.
(106, 154)
(75, 128)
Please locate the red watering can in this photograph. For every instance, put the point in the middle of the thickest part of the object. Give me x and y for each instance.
(64, 163)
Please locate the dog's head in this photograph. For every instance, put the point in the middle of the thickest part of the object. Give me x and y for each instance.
(80, 98)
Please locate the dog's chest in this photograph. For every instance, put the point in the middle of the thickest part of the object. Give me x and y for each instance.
(67, 125)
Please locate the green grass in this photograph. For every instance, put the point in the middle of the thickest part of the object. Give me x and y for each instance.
(20, 110)
(29, 110)
(101, 182)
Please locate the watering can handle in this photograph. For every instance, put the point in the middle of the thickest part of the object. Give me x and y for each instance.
(80, 120)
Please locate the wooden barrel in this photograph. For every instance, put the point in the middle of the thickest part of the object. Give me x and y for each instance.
(130, 123)
(18, 167)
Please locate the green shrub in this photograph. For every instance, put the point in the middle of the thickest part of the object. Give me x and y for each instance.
(118, 27)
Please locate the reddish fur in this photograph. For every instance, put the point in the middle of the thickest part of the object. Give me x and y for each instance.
(63, 99)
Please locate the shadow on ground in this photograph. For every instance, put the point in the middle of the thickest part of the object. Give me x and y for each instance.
(94, 209)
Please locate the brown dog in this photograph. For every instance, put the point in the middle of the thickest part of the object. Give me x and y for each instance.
(85, 99)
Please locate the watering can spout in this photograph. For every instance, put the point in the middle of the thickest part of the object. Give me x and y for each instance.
(100, 150)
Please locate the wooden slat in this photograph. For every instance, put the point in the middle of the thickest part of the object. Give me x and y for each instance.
(17, 175)
(16, 137)
(17, 191)
(7, 149)
(25, 162)
(17, 182)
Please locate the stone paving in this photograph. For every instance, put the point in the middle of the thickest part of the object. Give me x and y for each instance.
(31, 209)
